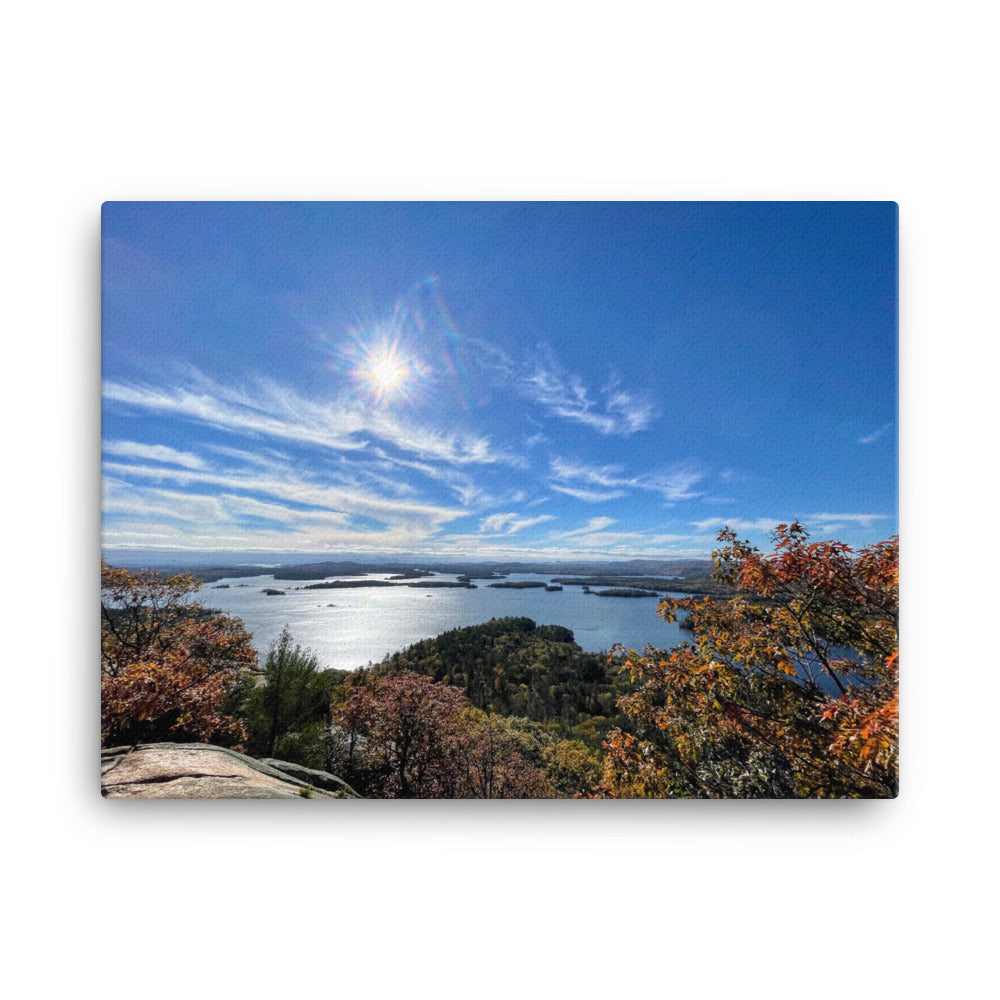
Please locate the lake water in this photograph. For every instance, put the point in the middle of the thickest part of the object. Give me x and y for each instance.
(349, 628)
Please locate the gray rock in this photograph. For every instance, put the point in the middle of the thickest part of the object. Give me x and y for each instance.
(318, 779)
(201, 771)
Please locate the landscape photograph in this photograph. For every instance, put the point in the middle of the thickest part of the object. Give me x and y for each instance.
(499, 500)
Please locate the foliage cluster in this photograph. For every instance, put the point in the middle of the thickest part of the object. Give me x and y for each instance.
(511, 666)
(790, 689)
(286, 712)
(166, 663)
(403, 735)
(518, 710)
(172, 670)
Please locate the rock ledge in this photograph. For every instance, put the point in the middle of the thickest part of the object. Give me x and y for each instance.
(202, 771)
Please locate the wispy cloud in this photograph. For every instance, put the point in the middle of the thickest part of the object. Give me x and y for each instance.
(472, 495)
(563, 394)
(125, 499)
(148, 534)
(266, 409)
(210, 512)
(153, 516)
(454, 449)
(544, 380)
(587, 496)
(875, 435)
(633, 412)
(508, 524)
(673, 484)
(262, 456)
(277, 509)
(153, 453)
(594, 524)
(293, 489)
(377, 479)
(475, 498)
(599, 475)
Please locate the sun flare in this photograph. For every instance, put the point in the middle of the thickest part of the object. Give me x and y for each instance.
(387, 372)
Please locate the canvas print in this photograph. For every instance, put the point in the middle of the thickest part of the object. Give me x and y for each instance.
(499, 500)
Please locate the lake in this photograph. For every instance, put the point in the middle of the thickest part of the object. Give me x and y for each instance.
(349, 628)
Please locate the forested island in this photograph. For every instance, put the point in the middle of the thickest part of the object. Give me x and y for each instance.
(695, 584)
(510, 708)
(625, 592)
(398, 581)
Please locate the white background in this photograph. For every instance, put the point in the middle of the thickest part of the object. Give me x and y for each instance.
(518, 101)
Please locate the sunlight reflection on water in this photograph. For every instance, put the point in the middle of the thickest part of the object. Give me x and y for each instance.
(348, 628)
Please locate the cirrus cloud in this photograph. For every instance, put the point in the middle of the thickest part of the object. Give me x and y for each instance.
(508, 524)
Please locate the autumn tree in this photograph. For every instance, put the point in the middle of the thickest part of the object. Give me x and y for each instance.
(502, 758)
(572, 766)
(790, 689)
(403, 735)
(409, 732)
(166, 664)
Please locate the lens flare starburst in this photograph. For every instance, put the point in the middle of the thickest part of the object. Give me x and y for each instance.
(388, 372)
(386, 375)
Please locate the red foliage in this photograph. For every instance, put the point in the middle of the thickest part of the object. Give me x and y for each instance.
(165, 665)
(741, 711)
(410, 737)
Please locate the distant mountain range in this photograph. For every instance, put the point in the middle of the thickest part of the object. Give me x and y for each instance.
(209, 573)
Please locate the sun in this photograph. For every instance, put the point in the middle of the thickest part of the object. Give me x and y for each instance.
(387, 372)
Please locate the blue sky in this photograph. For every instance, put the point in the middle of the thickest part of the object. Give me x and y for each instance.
(495, 380)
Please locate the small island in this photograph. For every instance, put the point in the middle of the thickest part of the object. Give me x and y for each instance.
(394, 581)
(701, 586)
(626, 592)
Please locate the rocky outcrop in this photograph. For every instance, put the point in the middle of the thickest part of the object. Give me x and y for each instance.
(318, 779)
(201, 771)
